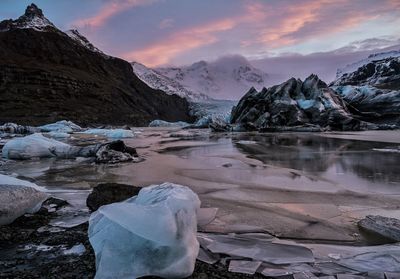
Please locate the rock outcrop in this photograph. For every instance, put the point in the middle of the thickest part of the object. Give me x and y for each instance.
(372, 92)
(45, 76)
(294, 105)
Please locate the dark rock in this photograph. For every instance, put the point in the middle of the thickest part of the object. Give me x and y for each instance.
(107, 193)
(46, 76)
(220, 126)
(115, 152)
(12, 128)
(381, 227)
(295, 104)
(383, 74)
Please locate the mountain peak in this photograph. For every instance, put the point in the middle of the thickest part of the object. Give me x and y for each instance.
(32, 10)
(33, 18)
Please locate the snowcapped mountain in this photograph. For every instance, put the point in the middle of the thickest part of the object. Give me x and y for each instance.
(32, 19)
(170, 86)
(225, 78)
(373, 57)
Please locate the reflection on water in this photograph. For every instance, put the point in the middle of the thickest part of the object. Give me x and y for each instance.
(321, 155)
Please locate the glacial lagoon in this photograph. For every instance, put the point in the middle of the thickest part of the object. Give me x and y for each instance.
(308, 187)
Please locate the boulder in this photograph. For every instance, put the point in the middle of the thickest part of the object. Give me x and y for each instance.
(116, 152)
(152, 234)
(381, 227)
(107, 193)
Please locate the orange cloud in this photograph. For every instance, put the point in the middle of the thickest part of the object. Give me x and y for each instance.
(161, 52)
(108, 11)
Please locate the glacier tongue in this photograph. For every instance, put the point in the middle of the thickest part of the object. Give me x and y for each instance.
(153, 233)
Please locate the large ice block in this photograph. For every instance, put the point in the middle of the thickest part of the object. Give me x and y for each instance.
(35, 145)
(153, 233)
(18, 197)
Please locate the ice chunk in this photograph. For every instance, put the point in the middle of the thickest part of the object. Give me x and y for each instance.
(111, 133)
(35, 145)
(162, 123)
(153, 233)
(78, 249)
(18, 197)
(207, 257)
(246, 267)
(260, 249)
(62, 126)
(12, 181)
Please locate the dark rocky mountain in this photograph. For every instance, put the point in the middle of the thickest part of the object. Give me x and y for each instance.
(46, 76)
(296, 105)
(372, 92)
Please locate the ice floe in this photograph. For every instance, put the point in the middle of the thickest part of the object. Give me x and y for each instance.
(111, 133)
(153, 233)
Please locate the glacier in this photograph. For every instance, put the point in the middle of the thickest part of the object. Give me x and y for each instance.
(18, 197)
(153, 233)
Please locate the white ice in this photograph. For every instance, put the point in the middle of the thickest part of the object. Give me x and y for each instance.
(62, 126)
(18, 197)
(153, 233)
(34, 146)
(111, 133)
(78, 249)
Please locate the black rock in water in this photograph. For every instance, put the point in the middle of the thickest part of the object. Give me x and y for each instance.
(45, 76)
(295, 104)
(107, 193)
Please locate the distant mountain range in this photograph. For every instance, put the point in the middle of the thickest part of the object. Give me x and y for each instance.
(225, 78)
(48, 75)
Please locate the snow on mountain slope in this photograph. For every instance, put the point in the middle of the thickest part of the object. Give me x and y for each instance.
(79, 38)
(164, 83)
(373, 57)
(226, 78)
(33, 19)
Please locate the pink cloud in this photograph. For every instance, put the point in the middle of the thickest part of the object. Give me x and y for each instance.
(161, 52)
(108, 11)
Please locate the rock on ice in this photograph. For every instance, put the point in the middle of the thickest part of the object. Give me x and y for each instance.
(153, 233)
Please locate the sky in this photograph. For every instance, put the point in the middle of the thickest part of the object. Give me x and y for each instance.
(272, 33)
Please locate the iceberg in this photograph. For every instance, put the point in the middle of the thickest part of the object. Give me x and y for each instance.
(35, 146)
(151, 234)
(18, 197)
(62, 126)
(111, 133)
(162, 123)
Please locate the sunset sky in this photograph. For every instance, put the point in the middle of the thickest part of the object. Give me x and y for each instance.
(176, 32)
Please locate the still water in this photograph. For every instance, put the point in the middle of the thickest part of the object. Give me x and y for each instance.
(293, 185)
